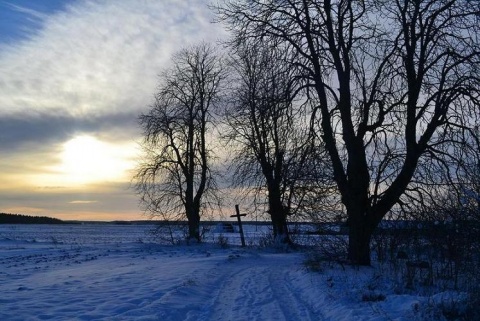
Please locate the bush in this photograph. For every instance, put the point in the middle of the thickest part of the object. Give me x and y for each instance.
(313, 263)
(222, 241)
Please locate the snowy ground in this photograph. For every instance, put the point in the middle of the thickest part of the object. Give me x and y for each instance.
(117, 273)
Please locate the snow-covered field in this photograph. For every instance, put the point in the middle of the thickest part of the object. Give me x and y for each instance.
(115, 272)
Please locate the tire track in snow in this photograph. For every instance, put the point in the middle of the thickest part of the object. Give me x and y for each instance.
(293, 306)
(259, 291)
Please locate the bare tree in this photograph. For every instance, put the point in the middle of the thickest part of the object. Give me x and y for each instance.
(175, 178)
(396, 82)
(268, 130)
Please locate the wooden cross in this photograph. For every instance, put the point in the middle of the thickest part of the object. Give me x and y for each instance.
(240, 228)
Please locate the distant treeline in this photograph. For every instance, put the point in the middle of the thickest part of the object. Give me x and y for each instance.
(25, 219)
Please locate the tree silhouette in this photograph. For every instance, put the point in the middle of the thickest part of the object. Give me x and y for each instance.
(271, 146)
(397, 88)
(175, 178)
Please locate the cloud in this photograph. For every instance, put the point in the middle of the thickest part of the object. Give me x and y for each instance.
(38, 131)
(99, 57)
(89, 69)
(92, 68)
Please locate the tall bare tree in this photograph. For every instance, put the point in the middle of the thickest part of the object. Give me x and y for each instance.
(175, 178)
(397, 84)
(265, 127)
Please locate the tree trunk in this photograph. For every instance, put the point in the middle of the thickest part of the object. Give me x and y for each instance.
(359, 245)
(194, 229)
(193, 218)
(279, 219)
(280, 229)
(359, 236)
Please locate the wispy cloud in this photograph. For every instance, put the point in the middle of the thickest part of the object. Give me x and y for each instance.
(31, 12)
(99, 57)
(82, 202)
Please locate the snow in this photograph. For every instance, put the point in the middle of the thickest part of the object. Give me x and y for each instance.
(108, 272)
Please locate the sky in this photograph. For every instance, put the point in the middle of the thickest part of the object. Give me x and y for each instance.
(74, 76)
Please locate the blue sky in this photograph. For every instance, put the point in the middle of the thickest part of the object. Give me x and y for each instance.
(20, 19)
(74, 76)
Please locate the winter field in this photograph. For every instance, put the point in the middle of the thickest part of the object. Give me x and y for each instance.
(122, 272)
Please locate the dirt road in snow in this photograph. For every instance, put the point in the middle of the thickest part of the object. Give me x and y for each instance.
(247, 286)
(259, 292)
(147, 282)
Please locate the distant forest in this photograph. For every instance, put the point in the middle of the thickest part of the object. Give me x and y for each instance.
(25, 219)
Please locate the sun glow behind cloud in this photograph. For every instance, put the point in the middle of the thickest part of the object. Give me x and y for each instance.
(86, 160)
(70, 94)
